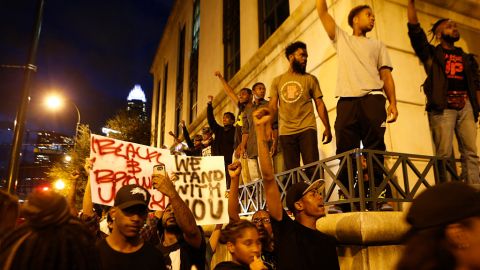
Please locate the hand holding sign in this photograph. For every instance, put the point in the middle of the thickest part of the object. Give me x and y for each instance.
(162, 183)
(88, 164)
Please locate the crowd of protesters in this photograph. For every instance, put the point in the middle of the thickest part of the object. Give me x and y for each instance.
(445, 219)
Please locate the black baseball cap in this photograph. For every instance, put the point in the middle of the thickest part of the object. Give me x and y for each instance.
(444, 204)
(131, 195)
(298, 190)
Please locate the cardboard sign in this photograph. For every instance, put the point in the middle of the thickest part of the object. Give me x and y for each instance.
(118, 163)
(200, 180)
(201, 184)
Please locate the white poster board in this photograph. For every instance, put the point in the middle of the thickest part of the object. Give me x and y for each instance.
(118, 163)
(202, 186)
(200, 180)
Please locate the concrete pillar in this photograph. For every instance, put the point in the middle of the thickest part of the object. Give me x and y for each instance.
(248, 30)
(367, 240)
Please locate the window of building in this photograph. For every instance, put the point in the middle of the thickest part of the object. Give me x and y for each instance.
(180, 75)
(272, 13)
(231, 37)
(194, 61)
(164, 105)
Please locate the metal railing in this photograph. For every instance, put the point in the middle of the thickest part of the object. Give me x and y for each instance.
(404, 173)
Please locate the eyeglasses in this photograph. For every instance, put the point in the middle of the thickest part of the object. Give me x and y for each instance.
(261, 220)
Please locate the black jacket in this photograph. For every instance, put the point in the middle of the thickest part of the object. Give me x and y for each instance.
(191, 151)
(436, 84)
(224, 137)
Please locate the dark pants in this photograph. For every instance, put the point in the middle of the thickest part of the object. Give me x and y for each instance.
(361, 119)
(304, 143)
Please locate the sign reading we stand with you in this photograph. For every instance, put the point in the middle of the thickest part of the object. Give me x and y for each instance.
(200, 181)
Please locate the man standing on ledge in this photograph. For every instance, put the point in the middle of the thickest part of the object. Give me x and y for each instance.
(292, 94)
(364, 80)
(452, 88)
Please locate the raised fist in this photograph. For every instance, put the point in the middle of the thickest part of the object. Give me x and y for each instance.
(262, 116)
(235, 169)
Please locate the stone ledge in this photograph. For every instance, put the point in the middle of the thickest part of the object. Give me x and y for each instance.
(365, 228)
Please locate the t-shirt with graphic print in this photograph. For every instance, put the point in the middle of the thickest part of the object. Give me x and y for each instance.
(295, 109)
(457, 84)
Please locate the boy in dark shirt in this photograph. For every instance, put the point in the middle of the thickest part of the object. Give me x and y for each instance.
(298, 244)
(124, 248)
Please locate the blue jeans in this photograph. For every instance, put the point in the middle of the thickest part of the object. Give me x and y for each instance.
(443, 125)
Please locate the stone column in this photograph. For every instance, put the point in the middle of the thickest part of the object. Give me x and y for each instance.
(367, 240)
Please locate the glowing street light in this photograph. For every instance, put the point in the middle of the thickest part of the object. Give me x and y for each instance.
(56, 102)
(68, 158)
(59, 184)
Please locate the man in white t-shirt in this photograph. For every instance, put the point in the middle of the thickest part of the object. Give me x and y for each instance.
(364, 83)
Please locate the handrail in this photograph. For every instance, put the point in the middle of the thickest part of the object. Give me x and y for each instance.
(404, 175)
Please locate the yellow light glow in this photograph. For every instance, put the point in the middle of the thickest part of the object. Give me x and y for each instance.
(54, 102)
(68, 158)
(59, 184)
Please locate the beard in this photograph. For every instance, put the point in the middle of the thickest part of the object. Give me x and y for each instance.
(298, 67)
(173, 228)
(450, 38)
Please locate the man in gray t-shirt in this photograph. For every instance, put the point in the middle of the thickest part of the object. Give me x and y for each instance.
(292, 94)
(364, 83)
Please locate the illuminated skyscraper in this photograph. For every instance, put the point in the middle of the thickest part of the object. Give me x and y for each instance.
(137, 102)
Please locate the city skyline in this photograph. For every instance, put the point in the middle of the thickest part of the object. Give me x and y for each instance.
(92, 62)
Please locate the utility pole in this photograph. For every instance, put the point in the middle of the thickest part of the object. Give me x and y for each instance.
(19, 126)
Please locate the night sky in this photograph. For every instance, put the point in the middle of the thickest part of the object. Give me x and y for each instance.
(90, 51)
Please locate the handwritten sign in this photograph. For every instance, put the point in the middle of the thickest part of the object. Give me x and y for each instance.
(201, 184)
(201, 180)
(118, 163)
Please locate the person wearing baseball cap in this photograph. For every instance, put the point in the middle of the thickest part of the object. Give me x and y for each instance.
(124, 248)
(298, 244)
(445, 229)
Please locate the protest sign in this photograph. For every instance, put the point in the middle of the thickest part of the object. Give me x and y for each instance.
(118, 163)
(201, 184)
(200, 180)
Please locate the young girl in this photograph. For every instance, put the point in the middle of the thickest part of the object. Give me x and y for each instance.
(242, 240)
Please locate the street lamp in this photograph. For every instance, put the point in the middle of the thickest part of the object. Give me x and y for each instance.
(56, 102)
(59, 184)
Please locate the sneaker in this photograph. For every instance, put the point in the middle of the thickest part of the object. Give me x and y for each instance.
(334, 209)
